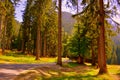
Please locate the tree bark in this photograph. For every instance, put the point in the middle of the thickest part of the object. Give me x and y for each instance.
(8, 43)
(38, 40)
(80, 60)
(34, 49)
(0, 29)
(4, 34)
(101, 46)
(93, 56)
(23, 46)
(45, 45)
(59, 60)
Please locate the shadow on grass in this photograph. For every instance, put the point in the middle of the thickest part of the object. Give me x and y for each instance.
(15, 54)
(77, 77)
(56, 72)
(118, 74)
(73, 64)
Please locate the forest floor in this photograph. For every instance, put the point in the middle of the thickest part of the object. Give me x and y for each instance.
(69, 71)
(21, 67)
(51, 71)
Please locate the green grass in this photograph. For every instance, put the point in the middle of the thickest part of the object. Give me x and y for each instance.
(69, 71)
(15, 58)
(25, 59)
(18, 58)
(114, 69)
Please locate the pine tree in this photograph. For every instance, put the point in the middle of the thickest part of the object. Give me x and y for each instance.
(101, 41)
(59, 61)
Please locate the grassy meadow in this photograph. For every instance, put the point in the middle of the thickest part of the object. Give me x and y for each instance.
(13, 57)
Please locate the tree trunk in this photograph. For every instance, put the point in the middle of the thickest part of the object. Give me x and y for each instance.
(80, 60)
(34, 49)
(45, 45)
(41, 46)
(38, 44)
(23, 46)
(8, 43)
(0, 29)
(93, 57)
(59, 60)
(1, 19)
(4, 34)
(38, 40)
(28, 47)
(101, 46)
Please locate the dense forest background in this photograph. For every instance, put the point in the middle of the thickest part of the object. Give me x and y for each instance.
(68, 22)
(89, 35)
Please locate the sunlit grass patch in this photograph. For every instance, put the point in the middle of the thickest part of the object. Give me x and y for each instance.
(91, 72)
(55, 73)
(105, 77)
(114, 69)
(18, 57)
(25, 59)
(21, 58)
(69, 73)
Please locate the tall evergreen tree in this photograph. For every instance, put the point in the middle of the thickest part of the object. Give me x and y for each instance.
(26, 26)
(101, 42)
(59, 60)
(42, 7)
(7, 8)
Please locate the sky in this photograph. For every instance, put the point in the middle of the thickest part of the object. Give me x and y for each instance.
(21, 7)
(18, 10)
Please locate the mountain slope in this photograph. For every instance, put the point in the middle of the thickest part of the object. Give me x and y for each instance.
(67, 21)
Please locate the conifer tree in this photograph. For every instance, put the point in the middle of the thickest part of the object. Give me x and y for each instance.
(59, 61)
(101, 41)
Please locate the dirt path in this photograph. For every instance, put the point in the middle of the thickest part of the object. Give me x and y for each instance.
(9, 71)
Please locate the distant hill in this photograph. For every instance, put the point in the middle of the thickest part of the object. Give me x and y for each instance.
(116, 55)
(67, 21)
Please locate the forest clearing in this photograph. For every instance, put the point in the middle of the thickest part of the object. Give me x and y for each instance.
(23, 67)
(60, 39)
